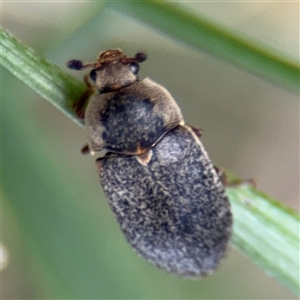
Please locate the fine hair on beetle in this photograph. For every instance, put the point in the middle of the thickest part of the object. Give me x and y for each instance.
(166, 194)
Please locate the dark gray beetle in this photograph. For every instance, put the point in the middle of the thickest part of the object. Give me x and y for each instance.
(161, 185)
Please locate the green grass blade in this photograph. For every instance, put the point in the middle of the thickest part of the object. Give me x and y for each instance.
(179, 23)
(268, 233)
(47, 79)
(264, 230)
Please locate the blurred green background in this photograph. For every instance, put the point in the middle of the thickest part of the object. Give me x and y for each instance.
(62, 239)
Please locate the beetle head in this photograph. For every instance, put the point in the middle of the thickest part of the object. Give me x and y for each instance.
(113, 70)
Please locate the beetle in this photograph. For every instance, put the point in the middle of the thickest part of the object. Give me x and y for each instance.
(160, 183)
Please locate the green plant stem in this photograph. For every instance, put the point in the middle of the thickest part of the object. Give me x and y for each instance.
(267, 232)
(264, 230)
(177, 22)
(48, 80)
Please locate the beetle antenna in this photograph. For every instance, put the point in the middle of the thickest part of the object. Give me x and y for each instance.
(140, 57)
(75, 64)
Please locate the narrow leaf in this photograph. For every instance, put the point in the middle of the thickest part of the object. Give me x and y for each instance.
(268, 233)
(178, 23)
(47, 79)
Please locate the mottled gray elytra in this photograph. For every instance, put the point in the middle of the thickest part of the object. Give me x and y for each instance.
(161, 185)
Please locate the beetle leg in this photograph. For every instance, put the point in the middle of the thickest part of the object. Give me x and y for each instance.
(233, 183)
(222, 175)
(197, 131)
(79, 106)
(86, 150)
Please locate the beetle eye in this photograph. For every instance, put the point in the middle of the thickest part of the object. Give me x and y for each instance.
(134, 67)
(93, 75)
